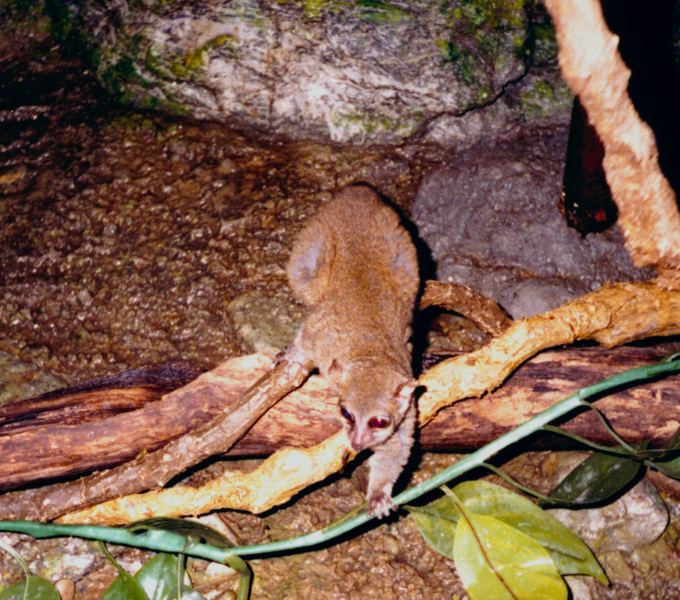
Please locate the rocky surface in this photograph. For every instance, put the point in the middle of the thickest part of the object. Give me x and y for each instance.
(491, 220)
(366, 71)
(140, 238)
(635, 520)
(629, 537)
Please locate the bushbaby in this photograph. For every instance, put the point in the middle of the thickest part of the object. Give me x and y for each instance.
(355, 267)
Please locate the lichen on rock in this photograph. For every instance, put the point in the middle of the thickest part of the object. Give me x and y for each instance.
(329, 70)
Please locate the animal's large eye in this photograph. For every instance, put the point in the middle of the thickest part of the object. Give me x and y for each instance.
(379, 422)
(345, 414)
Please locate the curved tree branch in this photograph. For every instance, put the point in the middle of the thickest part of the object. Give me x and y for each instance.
(594, 70)
(611, 316)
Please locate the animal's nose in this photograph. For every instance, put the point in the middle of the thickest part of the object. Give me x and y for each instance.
(359, 441)
(357, 446)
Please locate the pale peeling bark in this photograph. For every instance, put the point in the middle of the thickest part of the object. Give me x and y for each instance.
(274, 482)
(613, 315)
(593, 68)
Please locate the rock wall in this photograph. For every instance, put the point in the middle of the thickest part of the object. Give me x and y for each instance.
(329, 70)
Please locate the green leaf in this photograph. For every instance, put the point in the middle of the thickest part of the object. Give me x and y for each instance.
(669, 462)
(159, 577)
(668, 467)
(597, 479)
(571, 555)
(437, 523)
(125, 588)
(497, 562)
(33, 588)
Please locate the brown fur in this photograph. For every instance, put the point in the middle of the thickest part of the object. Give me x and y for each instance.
(356, 269)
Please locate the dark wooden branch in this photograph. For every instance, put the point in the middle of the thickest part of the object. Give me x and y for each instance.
(462, 299)
(154, 470)
(97, 399)
(308, 416)
(98, 424)
(646, 412)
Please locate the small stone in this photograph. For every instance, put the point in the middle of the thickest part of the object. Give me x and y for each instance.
(636, 519)
(16, 179)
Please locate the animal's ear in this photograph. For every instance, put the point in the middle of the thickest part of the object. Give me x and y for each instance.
(305, 262)
(336, 373)
(403, 394)
(308, 264)
(335, 370)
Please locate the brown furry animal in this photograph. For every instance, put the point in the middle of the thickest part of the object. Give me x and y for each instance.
(356, 269)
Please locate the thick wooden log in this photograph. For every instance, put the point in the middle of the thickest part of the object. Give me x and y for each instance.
(97, 424)
(97, 399)
(652, 411)
(309, 415)
(645, 412)
(153, 470)
(36, 446)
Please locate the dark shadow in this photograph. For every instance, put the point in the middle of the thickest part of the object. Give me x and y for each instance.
(647, 33)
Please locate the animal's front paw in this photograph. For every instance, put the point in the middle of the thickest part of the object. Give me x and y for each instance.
(380, 504)
(291, 354)
(293, 359)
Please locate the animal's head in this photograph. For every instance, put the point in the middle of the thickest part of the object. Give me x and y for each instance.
(373, 403)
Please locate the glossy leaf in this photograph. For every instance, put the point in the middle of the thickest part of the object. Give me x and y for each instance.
(669, 462)
(597, 479)
(437, 523)
(159, 576)
(125, 587)
(33, 588)
(668, 467)
(497, 562)
(571, 555)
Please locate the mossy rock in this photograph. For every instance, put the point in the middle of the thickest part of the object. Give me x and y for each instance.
(330, 70)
